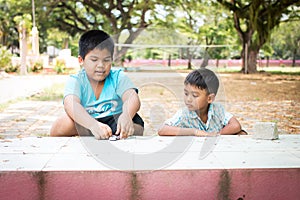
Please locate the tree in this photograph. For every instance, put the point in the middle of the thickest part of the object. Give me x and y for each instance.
(10, 14)
(114, 17)
(254, 21)
(286, 41)
(204, 23)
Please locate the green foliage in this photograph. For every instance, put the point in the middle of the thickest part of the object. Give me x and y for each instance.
(129, 58)
(254, 21)
(5, 58)
(12, 69)
(60, 66)
(62, 39)
(286, 41)
(36, 66)
(200, 22)
(53, 93)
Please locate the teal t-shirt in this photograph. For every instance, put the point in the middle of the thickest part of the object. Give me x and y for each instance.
(110, 100)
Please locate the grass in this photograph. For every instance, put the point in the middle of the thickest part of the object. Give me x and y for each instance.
(53, 93)
(272, 70)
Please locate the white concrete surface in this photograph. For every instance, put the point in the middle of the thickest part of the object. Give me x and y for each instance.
(148, 153)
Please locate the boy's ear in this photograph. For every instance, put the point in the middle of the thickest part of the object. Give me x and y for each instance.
(80, 60)
(211, 97)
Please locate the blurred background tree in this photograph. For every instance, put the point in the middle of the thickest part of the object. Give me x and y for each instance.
(254, 21)
(217, 22)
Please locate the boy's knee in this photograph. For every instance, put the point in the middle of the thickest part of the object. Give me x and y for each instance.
(63, 126)
(53, 131)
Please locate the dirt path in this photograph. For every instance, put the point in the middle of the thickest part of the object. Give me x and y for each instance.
(261, 97)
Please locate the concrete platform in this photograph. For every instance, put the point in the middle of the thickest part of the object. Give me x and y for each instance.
(224, 167)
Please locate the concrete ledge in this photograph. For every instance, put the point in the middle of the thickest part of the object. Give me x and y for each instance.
(235, 167)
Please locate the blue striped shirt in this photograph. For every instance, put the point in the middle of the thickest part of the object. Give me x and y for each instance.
(217, 119)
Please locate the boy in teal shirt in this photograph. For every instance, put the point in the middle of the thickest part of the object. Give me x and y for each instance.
(99, 101)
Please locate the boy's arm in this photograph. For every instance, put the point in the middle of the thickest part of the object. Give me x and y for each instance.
(77, 112)
(167, 130)
(232, 127)
(131, 105)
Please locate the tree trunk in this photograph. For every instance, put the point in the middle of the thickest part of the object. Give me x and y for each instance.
(217, 63)
(294, 58)
(121, 51)
(119, 54)
(189, 59)
(249, 57)
(23, 48)
(252, 61)
(205, 60)
(169, 60)
(189, 64)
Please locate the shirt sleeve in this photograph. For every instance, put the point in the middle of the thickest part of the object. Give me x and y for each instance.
(175, 120)
(72, 87)
(227, 117)
(221, 114)
(123, 84)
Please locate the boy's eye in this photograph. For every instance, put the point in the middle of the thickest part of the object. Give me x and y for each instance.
(195, 95)
(107, 61)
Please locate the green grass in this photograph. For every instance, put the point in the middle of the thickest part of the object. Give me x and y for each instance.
(281, 70)
(272, 70)
(53, 93)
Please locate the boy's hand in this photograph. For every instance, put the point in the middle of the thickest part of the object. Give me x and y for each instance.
(101, 131)
(125, 126)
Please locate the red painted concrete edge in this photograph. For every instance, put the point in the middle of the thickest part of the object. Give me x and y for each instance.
(163, 184)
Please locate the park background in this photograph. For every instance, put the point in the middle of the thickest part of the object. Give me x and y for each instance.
(253, 45)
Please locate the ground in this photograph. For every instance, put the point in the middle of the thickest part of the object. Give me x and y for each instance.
(250, 97)
(265, 97)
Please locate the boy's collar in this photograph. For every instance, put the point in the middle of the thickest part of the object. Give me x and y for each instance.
(210, 113)
(210, 109)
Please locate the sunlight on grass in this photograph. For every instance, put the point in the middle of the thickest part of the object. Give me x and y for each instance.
(53, 93)
(236, 69)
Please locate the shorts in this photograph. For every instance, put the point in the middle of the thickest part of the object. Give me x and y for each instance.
(111, 121)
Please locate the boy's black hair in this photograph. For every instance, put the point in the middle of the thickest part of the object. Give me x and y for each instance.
(95, 39)
(204, 79)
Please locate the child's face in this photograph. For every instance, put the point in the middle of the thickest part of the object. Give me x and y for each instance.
(196, 99)
(97, 64)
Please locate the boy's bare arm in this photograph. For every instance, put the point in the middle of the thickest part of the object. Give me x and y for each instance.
(232, 127)
(76, 111)
(131, 102)
(131, 105)
(167, 130)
